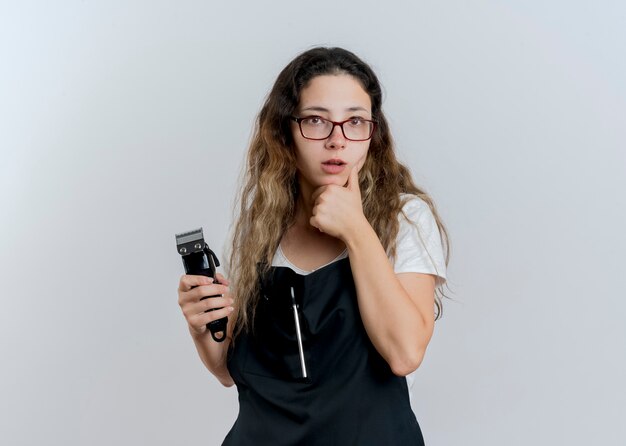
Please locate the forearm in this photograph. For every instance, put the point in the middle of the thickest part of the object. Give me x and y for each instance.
(213, 355)
(398, 328)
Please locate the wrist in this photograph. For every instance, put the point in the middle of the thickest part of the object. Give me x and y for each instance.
(360, 232)
(197, 336)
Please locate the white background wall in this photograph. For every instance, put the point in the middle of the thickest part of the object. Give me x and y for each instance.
(124, 122)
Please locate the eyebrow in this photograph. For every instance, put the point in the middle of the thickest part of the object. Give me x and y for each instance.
(322, 109)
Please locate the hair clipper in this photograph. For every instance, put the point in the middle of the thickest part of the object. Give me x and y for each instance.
(198, 259)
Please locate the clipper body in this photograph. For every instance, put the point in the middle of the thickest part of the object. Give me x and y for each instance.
(198, 259)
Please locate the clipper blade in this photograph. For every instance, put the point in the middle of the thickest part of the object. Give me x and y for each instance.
(188, 242)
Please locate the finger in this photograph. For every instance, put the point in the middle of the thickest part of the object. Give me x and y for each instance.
(208, 291)
(314, 210)
(317, 192)
(197, 321)
(221, 279)
(353, 179)
(197, 293)
(211, 303)
(188, 281)
(313, 221)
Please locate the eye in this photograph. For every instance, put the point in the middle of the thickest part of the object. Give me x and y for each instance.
(356, 121)
(313, 121)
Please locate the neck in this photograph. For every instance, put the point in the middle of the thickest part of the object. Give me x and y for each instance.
(304, 204)
(304, 211)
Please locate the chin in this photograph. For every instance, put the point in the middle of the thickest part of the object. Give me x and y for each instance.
(334, 180)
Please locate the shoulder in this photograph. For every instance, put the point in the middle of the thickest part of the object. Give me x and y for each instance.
(415, 210)
(419, 246)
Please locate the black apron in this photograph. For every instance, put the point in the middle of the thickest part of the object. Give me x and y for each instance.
(350, 396)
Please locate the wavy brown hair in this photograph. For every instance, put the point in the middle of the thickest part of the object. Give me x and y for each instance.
(270, 189)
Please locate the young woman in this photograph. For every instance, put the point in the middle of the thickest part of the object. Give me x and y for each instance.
(337, 262)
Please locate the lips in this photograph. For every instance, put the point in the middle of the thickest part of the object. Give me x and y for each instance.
(334, 162)
(333, 166)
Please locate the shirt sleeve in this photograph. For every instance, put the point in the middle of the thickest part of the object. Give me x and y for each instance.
(419, 248)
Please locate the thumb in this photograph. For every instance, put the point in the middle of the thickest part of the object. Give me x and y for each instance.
(353, 180)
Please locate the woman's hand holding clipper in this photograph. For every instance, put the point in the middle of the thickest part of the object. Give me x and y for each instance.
(192, 290)
(191, 293)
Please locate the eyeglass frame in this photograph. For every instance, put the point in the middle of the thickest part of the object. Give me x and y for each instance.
(334, 123)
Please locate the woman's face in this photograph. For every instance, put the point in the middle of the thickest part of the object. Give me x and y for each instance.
(329, 161)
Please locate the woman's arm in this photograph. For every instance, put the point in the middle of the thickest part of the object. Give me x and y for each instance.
(213, 356)
(397, 309)
(190, 291)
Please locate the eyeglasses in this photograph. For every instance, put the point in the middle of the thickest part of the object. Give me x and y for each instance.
(353, 129)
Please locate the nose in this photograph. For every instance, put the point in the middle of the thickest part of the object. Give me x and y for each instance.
(336, 140)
